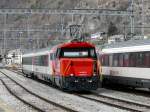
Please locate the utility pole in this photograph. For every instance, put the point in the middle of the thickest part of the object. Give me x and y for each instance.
(5, 17)
(142, 29)
(124, 31)
(62, 26)
(28, 31)
(70, 12)
(20, 38)
(132, 18)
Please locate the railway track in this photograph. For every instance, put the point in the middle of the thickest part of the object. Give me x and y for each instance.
(122, 89)
(130, 90)
(115, 102)
(111, 101)
(49, 105)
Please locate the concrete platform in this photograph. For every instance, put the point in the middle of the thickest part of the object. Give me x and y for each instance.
(4, 107)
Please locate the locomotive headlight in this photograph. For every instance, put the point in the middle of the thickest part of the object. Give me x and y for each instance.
(94, 74)
(90, 81)
(71, 74)
(76, 81)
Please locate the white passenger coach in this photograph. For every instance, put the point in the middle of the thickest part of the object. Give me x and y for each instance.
(127, 63)
(41, 63)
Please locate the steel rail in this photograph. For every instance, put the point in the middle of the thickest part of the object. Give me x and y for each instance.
(121, 100)
(42, 98)
(22, 100)
(109, 104)
(109, 98)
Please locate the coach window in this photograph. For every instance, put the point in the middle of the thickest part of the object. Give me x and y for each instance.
(102, 59)
(140, 60)
(105, 60)
(42, 60)
(149, 59)
(110, 59)
(46, 60)
(115, 60)
(120, 60)
(146, 59)
(27, 60)
(54, 56)
(132, 59)
(51, 56)
(37, 60)
(126, 60)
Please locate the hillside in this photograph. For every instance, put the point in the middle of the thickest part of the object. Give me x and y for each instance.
(91, 24)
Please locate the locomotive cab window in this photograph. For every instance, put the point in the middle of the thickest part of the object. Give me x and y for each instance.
(78, 53)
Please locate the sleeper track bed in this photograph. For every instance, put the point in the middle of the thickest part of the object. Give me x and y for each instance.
(49, 104)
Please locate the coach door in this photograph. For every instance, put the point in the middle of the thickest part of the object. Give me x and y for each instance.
(57, 67)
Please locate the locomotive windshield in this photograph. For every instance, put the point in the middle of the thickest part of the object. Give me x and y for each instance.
(78, 53)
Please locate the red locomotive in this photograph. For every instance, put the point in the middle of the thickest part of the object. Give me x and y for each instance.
(71, 66)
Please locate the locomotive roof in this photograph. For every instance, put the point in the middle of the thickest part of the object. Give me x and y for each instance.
(129, 46)
(75, 44)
